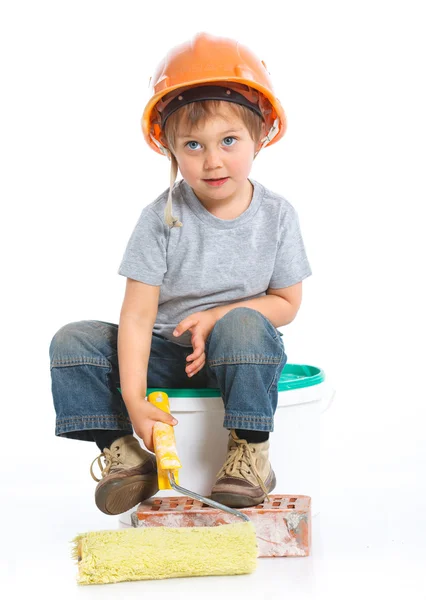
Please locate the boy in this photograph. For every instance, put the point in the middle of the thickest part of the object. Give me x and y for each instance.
(206, 289)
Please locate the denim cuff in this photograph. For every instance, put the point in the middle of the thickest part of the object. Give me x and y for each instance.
(249, 422)
(79, 428)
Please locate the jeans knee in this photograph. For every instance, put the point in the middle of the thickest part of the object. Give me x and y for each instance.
(242, 327)
(63, 339)
(72, 339)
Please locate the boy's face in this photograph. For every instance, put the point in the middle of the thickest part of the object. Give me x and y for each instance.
(220, 149)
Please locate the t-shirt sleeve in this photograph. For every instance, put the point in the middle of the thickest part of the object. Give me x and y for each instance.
(291, 263)
(145, 257)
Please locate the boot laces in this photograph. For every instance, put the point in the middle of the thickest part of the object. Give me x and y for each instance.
(240, 461)
(111, 459)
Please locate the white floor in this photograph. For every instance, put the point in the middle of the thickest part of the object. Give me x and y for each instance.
(369, 541)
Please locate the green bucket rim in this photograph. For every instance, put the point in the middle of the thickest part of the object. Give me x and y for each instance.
(293, 377)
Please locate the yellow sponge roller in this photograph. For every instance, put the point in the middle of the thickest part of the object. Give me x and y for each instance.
(163, 552)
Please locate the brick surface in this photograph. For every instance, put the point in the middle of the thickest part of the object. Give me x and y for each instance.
(283, 526)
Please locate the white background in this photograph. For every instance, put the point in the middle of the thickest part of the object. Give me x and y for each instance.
(75, 174)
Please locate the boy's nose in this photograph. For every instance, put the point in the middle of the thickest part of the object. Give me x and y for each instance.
(212, 161)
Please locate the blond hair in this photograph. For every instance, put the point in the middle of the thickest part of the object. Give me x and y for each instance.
(196, 114)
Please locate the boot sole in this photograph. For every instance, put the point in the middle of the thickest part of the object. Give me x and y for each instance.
(119, 496)
(241, 501)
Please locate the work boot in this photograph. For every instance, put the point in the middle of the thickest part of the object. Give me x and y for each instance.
(129, 476)
(246, 477)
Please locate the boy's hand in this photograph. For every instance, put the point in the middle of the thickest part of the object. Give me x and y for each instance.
(143, 418)
(200, 325)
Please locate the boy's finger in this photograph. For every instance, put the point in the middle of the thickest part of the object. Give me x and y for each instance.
(196, 370)
(196, 354)
(160, 415)
(183, 326)
(196, 366)
(197, 361)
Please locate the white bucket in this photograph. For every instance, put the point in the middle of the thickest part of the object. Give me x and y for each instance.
(294, 453)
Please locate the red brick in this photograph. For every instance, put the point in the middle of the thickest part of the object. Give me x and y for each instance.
(283, 526)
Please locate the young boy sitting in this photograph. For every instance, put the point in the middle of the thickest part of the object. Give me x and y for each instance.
(214, 266)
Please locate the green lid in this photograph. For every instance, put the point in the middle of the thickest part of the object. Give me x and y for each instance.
(292, 378)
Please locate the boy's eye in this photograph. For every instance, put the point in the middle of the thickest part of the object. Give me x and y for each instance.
(189, 144)
(227, 139)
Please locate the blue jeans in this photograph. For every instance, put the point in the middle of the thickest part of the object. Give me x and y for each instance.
(244, 359)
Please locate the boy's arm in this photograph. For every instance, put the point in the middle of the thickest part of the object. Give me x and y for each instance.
(137, 318)
(279, 305)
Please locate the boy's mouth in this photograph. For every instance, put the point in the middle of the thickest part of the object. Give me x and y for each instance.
(216, 181)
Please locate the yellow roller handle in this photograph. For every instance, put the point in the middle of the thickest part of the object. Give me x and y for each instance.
(164, 443)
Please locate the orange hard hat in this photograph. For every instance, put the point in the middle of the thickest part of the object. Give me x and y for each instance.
(220, 68)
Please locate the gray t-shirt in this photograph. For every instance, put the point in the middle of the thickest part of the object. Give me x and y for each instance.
(211, 262)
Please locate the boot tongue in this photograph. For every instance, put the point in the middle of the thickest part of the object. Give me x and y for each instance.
(126, 453)
(130, 453)
(254, 451)
(125, 440)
